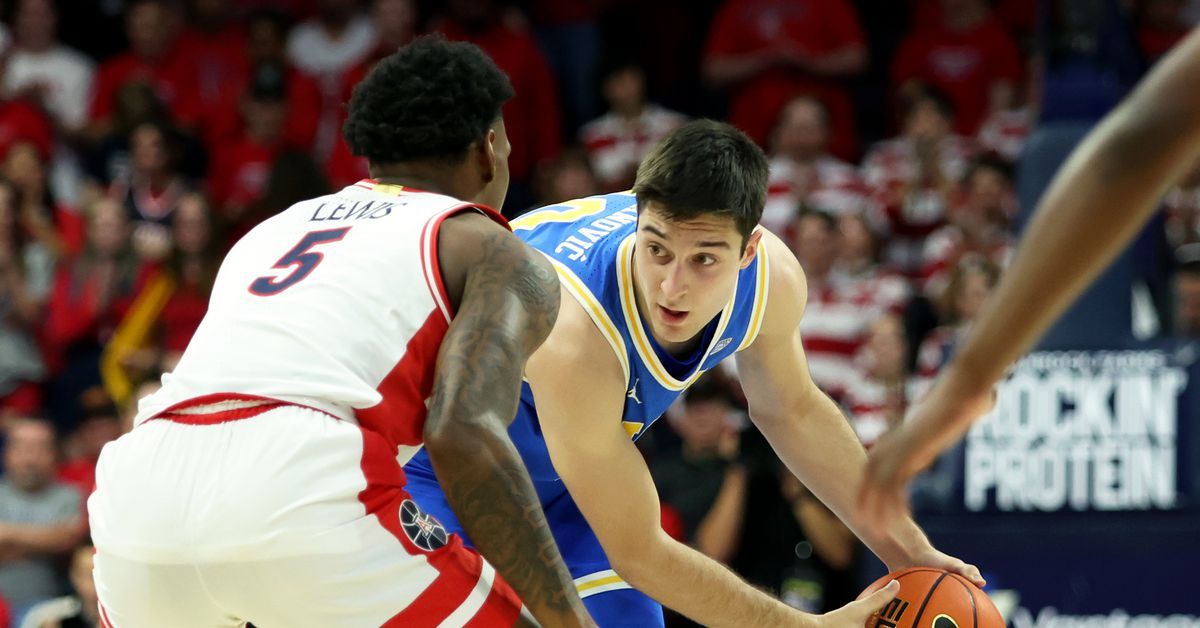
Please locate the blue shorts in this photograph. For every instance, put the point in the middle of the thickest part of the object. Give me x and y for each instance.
(609, 599)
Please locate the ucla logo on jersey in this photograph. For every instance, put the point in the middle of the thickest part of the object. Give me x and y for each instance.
(721, 344)
(421, 528)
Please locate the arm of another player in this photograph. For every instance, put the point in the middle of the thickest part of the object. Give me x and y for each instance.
(509, 301)
(1104, 193)
(580, 399)
(807, 429)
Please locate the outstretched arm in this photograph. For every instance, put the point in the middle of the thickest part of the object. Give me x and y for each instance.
(580, 399)
(807, 429)
(507, 299)
(1106, 191)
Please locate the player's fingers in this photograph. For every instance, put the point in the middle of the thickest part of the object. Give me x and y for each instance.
(972, 573)
(861, 609)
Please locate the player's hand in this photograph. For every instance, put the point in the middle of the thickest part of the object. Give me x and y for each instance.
(932, 557)
(933, 425)
(856, 613)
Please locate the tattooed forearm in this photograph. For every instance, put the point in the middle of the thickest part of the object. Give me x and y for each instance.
(509, 304)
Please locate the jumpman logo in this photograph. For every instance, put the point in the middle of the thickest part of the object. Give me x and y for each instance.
(633, 394)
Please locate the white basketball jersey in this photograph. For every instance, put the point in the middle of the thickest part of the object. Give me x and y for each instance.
(336, 303)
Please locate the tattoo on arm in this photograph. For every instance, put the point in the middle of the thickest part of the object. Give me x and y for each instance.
(509, 305)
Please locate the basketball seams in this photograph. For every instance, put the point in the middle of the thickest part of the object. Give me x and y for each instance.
(921, 611)
(970, 594)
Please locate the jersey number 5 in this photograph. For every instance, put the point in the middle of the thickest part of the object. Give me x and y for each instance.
(302, 258)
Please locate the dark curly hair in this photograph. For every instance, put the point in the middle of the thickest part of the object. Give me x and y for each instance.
(427, 101)
(705, 167)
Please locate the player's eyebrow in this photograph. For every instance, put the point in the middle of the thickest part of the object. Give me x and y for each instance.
(713, 244)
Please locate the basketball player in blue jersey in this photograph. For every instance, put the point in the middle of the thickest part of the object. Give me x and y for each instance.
(660, 285)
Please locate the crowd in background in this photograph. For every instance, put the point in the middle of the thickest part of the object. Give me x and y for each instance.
(140, 138)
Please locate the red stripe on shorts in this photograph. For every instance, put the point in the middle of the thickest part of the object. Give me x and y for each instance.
(458, 567)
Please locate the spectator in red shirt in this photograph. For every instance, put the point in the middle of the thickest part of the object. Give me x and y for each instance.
(21, 259)
(22, 121)
(266, 35)
(326, 47)
(170, 301)
(803, 173)
(396, 22)
(215, 43)
(239, 172)
(91, 291)
(532, 117)
(878, 397)
(971, 283)
(767, 51)
(56, 226)
(968, 55)
(914, 176)
(55, 77)
(978, 225)
(156, 58)
(867, 281)
(617, 141)
(834, 322)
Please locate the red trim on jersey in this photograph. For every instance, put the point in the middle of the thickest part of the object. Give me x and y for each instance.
(174, 415)
(400, 416)
(430, 261)
(501, 608)
(105, 622)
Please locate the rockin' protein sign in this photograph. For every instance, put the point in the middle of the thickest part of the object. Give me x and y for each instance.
(1079, 431)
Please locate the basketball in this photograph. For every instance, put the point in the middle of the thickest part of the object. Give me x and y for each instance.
(932, 598)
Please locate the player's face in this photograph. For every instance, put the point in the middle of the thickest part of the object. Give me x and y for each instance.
(494, 191)
(685, 271)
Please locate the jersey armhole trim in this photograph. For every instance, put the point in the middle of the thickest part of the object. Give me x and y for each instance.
(430, 263)
(595, 311)
(763, 286)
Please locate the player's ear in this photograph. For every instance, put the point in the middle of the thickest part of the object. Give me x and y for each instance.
(751, 249)
(486, 156)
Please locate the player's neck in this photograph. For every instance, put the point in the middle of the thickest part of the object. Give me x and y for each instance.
(427, 180)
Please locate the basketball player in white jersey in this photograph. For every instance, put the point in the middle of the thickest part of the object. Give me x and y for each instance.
(263, 484)
(1107, 190)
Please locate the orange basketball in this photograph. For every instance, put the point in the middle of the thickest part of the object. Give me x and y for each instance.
(932, 598)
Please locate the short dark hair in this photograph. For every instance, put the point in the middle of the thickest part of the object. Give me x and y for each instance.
(927, 94)
(993, 162)
(705, 167)
(827, 220)
(430, 100)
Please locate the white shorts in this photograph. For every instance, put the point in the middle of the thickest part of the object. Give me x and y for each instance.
(232, 509)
